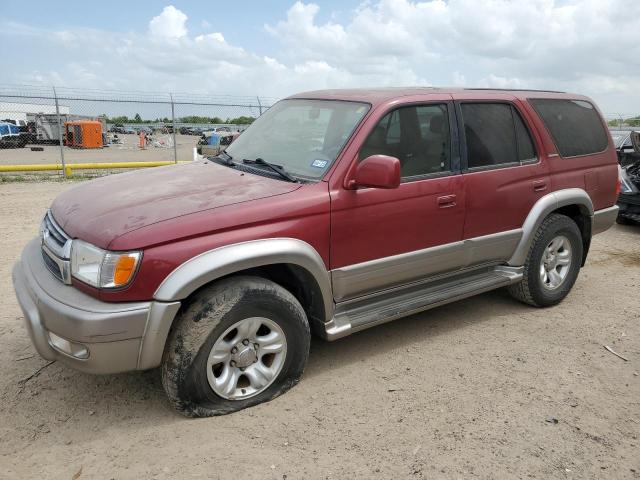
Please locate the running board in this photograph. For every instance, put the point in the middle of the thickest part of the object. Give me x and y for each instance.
(362, 313)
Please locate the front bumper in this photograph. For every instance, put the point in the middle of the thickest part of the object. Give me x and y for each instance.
(118, 337)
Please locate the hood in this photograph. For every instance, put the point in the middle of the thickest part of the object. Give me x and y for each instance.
(101, 210)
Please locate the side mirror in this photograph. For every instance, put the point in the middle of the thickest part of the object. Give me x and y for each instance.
(377, 171)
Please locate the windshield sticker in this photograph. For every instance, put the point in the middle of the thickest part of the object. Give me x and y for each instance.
(319, 163)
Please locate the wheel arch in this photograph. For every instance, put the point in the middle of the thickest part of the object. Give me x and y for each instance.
(575, 203)
(293, 264)
(281, 259)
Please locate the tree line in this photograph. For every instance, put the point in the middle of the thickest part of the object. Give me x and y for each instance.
(631, 122)
(242, 120)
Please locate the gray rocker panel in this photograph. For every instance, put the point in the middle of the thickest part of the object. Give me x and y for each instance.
(375, 275)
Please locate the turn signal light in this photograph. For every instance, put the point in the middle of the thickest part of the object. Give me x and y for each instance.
(124, 270)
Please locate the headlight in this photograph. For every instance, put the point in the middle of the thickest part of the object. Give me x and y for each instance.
(100, 268)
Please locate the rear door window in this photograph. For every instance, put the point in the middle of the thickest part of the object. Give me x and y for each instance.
(495, 135)
(575, 125)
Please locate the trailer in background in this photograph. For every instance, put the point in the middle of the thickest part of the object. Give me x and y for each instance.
(43, 127)
(83, 134)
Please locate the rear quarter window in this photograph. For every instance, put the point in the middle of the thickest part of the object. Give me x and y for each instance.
(574, 125)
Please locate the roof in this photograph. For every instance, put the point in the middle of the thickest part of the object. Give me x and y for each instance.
(380, 95)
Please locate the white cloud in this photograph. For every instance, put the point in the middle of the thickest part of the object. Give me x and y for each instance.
(216, 37)
(576, 45)
(555, 44)
(171, 23)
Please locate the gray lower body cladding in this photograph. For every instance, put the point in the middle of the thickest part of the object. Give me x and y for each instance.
(131, 336)
(117, 337)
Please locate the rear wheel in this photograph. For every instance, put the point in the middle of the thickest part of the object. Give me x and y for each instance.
(552, 264)
(238, 343)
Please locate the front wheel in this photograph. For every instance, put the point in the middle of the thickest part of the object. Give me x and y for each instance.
(552, 264)
(239, 342)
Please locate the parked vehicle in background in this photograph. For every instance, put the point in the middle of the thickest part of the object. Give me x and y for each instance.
(335, 211)
(212, 143)
(121, 129)
(622, 140)
(628, 148)
(146, 130)
(44, 127)
(10, 136)
(23, 132)
(189, 130)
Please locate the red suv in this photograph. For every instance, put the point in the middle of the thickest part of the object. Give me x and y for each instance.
(335, 211)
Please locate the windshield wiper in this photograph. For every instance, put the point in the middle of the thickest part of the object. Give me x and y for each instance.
(225, 158)
(276, 168)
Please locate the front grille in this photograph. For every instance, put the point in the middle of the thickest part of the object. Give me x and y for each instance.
(53, 235)
(56, 248)
(52, 266)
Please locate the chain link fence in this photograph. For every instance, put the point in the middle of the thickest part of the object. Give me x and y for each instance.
(59, 126)
(46, 125)
(622, 121)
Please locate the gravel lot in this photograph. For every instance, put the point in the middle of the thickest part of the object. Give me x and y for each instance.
(127, 152)
(462, 391)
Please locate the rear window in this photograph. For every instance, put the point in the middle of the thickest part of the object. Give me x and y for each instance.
(575, 125)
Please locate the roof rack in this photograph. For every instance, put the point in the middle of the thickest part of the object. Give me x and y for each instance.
(516, 90)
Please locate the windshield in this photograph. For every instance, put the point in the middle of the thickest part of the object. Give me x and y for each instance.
(302, 136)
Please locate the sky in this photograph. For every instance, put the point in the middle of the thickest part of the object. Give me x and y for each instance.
(278, 48)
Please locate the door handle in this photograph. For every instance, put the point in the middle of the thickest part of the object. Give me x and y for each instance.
(446, 201)
(539, 185)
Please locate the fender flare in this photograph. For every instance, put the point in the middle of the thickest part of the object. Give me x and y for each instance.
(541, 209)
(213, 264)
(219, 262)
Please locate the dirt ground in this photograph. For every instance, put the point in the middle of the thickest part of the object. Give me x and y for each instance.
(469, 390)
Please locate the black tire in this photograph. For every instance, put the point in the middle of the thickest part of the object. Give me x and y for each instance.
(530, 290)
(205, 317)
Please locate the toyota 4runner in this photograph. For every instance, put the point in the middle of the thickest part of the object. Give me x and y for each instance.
(335, 211)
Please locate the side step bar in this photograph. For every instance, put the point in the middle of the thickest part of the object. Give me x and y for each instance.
(362, 313)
